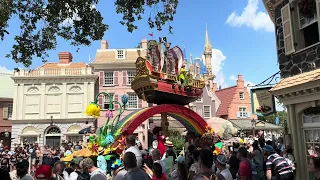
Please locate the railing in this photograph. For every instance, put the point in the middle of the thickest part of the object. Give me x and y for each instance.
(55, 72)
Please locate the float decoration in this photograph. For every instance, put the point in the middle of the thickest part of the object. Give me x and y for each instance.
(107, 134)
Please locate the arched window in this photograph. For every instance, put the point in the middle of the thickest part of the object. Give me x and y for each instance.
(75, 89)
(53, 130)
(33, 90)
(54, 89)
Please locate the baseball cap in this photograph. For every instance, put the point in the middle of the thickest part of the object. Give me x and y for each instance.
(180, 159)
(268, 148)
(44, 171)
(222, 159)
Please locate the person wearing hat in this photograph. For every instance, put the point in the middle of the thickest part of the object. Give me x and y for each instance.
(181, 171)
(282, 170)
(43, 172)
(224, 172)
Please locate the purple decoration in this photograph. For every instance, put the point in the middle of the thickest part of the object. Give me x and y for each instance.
(109, 114)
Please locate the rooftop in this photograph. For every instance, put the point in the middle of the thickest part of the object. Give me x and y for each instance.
(299, 79)
(225, 95)
(246, 124)
(7, 84)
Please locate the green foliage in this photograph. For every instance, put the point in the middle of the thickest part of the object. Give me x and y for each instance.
(177, 139)
(283, 116)
(77, 21)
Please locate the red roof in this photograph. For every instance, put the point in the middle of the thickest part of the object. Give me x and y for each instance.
(225, 95)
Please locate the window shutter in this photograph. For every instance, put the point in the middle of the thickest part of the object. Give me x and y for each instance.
(124, 75)
(248, 114)
(139, 103)
(101, 78)
(101, 102)
(115, 77)
(5, 111)
(238, 114)
(116, 98)
(287, 29)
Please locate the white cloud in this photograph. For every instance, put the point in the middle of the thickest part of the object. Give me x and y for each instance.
(252, 18)
(233, 78)
(5, 70)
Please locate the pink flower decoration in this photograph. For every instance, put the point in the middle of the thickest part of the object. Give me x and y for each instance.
(109, 114)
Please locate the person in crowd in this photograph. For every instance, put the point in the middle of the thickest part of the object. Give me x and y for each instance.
(133, 171)
(4, 174)
(181, 172)
(221, 163)
(87, 165)
(188, 156)
(44, 172)
(169, 159)
(131, 147)
(206, 162)
(245, 172)
(314, 166)
(195, 167)
(156, 157)
(157, 172)
(59, 170)
(22, 170)
(256, 155)
(288, 155)
(282, 170)
(234, 162)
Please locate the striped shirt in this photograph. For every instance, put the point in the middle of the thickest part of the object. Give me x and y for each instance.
(278, 164)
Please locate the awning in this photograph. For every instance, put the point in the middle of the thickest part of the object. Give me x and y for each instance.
(29, 131)
(85, 130)
(246, 124)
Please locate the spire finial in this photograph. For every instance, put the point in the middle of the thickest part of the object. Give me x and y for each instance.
(207, 44)
(191, 57)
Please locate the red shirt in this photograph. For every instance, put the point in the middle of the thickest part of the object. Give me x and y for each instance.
(162, 178)
(245, 170)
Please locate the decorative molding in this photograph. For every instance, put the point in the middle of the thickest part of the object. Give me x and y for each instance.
(75, 89)
(33, 90)
(54, 89)
(50, 80)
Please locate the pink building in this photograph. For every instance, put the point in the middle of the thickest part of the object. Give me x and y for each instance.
(116, 69)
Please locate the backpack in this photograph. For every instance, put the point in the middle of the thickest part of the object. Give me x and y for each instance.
(83, 176)
(257, 172)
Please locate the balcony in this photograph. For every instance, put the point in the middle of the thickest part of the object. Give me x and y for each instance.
(54, 72)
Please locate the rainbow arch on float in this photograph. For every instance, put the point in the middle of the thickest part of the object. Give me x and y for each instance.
(188, 118)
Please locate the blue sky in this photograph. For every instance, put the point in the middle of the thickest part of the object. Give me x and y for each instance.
(240, 31)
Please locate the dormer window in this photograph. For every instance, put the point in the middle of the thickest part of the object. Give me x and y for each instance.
(241, 95)
(120, 54)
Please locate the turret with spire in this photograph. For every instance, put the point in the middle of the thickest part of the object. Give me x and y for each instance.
(208, 54)
(191, 66)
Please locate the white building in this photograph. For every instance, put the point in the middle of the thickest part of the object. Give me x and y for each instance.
(50, 101)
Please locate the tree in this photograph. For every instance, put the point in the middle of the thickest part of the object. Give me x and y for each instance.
(77, 21)
(177, 140)
(283, 116)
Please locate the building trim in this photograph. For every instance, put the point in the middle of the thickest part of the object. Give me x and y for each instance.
(46, 121)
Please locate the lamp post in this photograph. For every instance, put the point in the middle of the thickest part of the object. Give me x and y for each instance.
(253, 122)
(51, 123)
(6, 133)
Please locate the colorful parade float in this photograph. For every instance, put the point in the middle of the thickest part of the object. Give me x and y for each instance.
(161, 79)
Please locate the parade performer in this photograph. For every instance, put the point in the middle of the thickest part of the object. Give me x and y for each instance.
(182, 74)
(157, 131)
(92, 135)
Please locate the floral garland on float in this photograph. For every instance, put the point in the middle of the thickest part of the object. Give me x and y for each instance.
(106, 140)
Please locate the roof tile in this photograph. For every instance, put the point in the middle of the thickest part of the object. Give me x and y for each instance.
(297, 80)
(225, 95)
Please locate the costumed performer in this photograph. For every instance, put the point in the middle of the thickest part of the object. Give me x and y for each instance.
(157, 131)
(182, 74)
(92, 135)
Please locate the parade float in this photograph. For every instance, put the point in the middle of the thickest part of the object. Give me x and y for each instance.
(161, 79)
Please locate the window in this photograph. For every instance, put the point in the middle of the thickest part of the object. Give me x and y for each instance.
(130, 76)
(7, 110)
(53, 103)
(120, 54)
(207, 111)
(75, 139)
(241, 95)
(132, 101)
(75, 103)
(108, 78)
(29, 139)
(106, 103)
(243, 112)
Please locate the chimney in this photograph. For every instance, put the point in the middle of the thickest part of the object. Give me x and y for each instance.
(240, 82)
(144, 43)
(214, 87)
(65, 57)
(104, 44)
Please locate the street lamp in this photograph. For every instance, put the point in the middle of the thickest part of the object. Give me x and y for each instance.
(253, 122)
(51, 124)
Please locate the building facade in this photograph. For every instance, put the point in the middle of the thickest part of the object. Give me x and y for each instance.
(116, 69)
(6, 107)
(49, 102)
(235, 101)
(298, 50)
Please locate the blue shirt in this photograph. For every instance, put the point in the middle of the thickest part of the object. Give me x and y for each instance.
(102, 163)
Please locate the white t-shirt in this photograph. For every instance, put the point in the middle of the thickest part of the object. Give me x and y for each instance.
(135, 150)
(226, 174)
